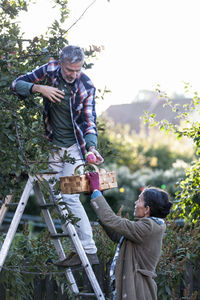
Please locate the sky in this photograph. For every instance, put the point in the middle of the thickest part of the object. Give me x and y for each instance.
(146, 43)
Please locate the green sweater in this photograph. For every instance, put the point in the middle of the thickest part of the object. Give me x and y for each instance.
(60, 119)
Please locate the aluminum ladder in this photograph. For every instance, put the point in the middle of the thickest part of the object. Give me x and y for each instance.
(33, 184)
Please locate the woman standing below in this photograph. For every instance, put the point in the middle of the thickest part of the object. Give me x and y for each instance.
(139, 242)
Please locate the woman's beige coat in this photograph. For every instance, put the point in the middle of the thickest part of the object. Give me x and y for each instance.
(139, 252)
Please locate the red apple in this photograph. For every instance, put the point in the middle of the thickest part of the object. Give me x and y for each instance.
(90, 158)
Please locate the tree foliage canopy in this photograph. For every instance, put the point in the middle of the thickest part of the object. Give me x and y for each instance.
(188, 194)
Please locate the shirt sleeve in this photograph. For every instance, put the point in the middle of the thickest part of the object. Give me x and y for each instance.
(88, 113)
(91, 140)
(23, 88)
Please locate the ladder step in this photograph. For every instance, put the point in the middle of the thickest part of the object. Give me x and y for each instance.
(45, 206)
(86, 294)
(48, 173)
(11, 204)
(58, 235)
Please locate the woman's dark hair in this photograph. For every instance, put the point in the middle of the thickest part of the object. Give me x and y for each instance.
(158, 200)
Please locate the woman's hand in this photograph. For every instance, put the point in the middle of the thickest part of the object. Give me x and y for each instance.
(93, 178)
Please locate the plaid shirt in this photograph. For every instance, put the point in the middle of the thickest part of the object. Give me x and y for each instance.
(82, 103)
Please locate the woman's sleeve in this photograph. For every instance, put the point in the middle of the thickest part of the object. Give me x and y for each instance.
(134, 231)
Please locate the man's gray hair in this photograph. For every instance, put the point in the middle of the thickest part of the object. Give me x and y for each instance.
(72, 54)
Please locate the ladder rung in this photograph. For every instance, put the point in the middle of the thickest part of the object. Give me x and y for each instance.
(45, 206)
(58, 235)
(11, 204)
(86, 294)
(48, 173)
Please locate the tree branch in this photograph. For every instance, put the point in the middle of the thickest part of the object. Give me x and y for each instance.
(81, 15)
(4, 100)
(20, 144)
(11, 107)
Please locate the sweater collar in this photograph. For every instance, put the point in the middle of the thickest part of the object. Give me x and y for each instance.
(159, 221)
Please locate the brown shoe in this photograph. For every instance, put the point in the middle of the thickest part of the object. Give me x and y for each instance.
(61, 263)
(75, 260)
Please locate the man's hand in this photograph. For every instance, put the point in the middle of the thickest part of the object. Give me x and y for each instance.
(99, 158)
(50, 92)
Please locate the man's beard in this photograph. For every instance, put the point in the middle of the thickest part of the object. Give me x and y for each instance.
(68, 79)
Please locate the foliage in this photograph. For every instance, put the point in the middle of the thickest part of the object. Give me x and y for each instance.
(108, 150)
(181, 248)
(105, 247)
(28, 257)
(188, 193)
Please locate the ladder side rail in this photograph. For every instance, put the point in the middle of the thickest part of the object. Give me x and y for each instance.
(83, 257)
(15, 222)
(52, 230)
(4, 208)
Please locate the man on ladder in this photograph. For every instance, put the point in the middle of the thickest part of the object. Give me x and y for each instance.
(70, 123)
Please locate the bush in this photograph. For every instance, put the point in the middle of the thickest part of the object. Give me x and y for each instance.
(181, 247)
(188, 194)
(30, 258)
